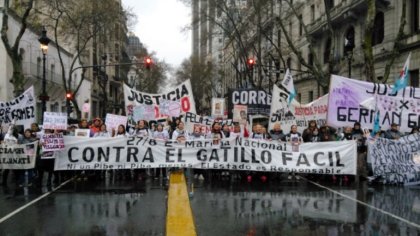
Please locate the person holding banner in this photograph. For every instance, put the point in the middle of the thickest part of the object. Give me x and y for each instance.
(95, 127)
(226, 130)
(11, 138)
(393, 133)
(141, 129)
(121, 131)
(277, 134)
(259, 132)
(103, 132)
(237, 131)
(197, 133)
(216, 133)
(160, 133)
(28, 174)
(180, 134)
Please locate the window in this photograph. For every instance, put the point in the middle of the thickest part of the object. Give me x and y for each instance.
(310, 59)
(300, 26)
(329, 4)
(38, 67)
(312, 12)
(414, 78)
(299, 97)
(311, 96)
(348, 41)
(327, 50)
(290, 29)
(52, 72)
(378, 29)
(414, 16)
(289, 62)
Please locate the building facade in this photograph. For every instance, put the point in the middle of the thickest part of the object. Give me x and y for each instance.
(272, 33)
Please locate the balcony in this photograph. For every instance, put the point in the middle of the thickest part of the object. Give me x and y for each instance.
(343, 12)
(34, 71)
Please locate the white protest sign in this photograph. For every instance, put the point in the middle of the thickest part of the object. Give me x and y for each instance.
(113, 121)
(22, 109)
(52, 142)
(182, 93)
(55, 120)
(18, 156)
(347, 104)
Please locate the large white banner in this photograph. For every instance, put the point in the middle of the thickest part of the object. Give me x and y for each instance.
(347, 95)
(296, 113)
(183, 93)
(338, 158)
(21, 109)
(396, 161)
(18, 156)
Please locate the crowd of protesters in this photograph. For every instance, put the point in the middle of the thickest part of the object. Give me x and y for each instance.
(174, 129)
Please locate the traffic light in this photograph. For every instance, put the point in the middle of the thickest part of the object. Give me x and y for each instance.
(69, 96)
(250, 63)
(147, 62)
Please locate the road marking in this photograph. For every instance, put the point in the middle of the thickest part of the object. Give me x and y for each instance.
(365, 204)
(179, 218)
(32, 202)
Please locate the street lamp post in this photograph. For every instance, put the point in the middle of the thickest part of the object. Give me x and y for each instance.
(44, 41)
(348, 48)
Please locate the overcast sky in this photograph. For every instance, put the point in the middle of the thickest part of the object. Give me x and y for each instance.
(159, 24)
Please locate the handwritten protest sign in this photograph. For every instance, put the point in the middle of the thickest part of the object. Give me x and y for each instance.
(20, 109)
(113, 121)
(347, 104)
(170, 108)
(144, 112)
(52, 142)
(55, 120)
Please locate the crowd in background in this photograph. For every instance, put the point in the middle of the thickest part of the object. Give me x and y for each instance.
(174, 129)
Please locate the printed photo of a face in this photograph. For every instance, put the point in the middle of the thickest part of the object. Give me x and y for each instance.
(243, 115)
(30, 149)
(218, 108)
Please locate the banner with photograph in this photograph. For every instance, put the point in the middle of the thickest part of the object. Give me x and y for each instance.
(218, 108)
(55, 120)
(52, 142)
(182, 93)
(240, 114)
(113, 121)
(21, 109)
(257, 101)
(331, 158)
(346, 107)
(18, 156)
(295, 113)
(396, 161)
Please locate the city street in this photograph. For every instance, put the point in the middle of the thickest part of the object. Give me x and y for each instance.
(220, 206)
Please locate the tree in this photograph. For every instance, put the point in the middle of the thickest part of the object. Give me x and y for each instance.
(202, 83)
(82, 25)
(367, 43)
(12, 48)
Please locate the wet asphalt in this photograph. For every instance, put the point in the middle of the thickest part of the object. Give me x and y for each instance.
(220, 205)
